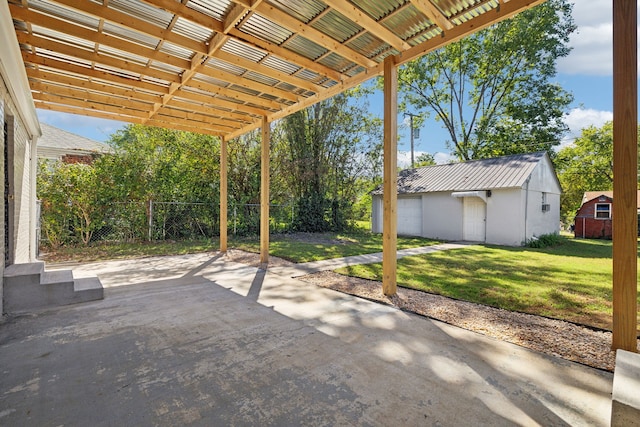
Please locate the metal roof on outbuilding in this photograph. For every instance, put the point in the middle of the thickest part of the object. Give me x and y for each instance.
(500, 172)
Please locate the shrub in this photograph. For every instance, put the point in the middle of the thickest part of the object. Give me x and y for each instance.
(545, 241)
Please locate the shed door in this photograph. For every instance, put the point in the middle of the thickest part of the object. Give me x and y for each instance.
(410, 216)
(475, 219)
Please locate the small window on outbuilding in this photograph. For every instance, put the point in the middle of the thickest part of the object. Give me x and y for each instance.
(603, 210)
(546, 207)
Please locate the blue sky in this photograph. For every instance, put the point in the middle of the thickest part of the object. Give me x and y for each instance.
(586, 72)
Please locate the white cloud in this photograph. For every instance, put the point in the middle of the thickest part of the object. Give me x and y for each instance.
(591, 54)
(591, 12)
(593, 40)
(581, 118)
(404, 158)
(442, 158)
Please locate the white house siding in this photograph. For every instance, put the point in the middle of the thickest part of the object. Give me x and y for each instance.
(22, 193)
(442, 216)
(18, 110)
(20, 205)
(505, 217)
(543, 179)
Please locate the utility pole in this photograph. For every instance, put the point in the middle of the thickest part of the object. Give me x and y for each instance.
(411, 116)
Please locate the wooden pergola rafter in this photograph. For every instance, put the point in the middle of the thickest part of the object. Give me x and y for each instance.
(227, 67)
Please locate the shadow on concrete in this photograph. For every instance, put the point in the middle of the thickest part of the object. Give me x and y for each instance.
(256, 285)
(204, 265)
(237, 345)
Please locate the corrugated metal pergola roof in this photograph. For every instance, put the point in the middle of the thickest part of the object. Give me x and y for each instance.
(220, 66)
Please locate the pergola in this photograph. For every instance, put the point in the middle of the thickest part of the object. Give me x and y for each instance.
(226, 67)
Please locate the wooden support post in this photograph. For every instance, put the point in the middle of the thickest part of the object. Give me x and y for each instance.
(264, 193)
(223, 194)
(625, 175)
(390, 178)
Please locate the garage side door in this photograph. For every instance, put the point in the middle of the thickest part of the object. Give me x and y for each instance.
(410, 216)
(475, 219)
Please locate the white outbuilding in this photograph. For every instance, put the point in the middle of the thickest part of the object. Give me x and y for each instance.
(505, 200)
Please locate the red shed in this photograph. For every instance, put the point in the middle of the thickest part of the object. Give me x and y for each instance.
(594, 218)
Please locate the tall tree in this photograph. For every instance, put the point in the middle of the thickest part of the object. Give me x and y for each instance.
(425, 159)
(493, 91)
(324, 150)
(585, 165)
(162, 165)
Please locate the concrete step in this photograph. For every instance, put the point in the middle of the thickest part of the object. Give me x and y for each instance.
(88, 289)
(27, 273)
(29, 286)
(56, 277)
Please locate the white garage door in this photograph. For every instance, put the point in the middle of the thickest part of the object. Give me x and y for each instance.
(410, 216)
(475, 219)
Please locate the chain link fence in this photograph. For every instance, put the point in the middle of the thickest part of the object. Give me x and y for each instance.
(162, 221)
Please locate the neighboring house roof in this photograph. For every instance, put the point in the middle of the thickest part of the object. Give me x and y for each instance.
(55, 142)
(590, 195)
(500, 172)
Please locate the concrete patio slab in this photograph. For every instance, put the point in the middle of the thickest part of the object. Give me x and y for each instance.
(203, 341)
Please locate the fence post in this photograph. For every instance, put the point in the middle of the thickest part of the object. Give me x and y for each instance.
(150, 232)
(235, 219)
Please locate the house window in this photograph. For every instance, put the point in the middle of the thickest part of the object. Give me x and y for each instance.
(603, 210)
(545, 205)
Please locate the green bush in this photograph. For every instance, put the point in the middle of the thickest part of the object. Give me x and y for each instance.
(545, 241)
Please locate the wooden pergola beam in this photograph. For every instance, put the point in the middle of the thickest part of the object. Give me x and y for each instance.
(94, 57)
(266, 71)
(264, 191)
(287, 55)
(365, 21)
(390, 179)
(223, 194)
(83, 112)
(96, 37)
(432, 12)
(66, 80)
(45, 80)
(625, 175)
(68, 68)
(251, 113)
(188, 13)
(292, 24)
(126, 20)
(506, 11)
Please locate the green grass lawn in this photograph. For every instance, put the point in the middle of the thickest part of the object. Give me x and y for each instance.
(571, 281)
(306, 247)
(107, 251)
(297, 247)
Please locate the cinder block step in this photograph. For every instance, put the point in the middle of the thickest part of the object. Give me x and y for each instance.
(29, 286)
